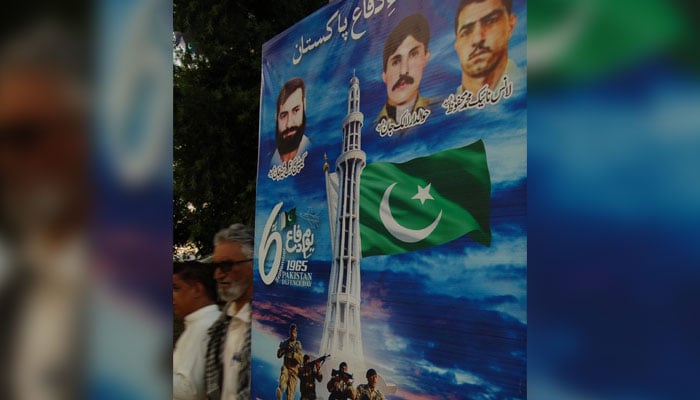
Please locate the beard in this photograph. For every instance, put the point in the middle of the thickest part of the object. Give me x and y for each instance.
(37, 206)
(288, 144)
(233, 292)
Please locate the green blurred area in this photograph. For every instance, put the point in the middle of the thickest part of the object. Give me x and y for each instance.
(571, 41)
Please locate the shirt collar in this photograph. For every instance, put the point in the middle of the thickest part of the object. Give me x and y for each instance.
(201, 313)
(243, 314)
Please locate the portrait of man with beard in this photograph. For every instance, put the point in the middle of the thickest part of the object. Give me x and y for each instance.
(291, 122)
(405, 57)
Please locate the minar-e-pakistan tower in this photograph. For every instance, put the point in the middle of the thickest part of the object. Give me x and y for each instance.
(342, 332)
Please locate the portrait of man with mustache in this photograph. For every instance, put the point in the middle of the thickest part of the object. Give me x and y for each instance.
(405, 56)
(291, 122)
(483, 29)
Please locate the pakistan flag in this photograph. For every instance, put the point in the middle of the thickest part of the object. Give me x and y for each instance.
(425, 202)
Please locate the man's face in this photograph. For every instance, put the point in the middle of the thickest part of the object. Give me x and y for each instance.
(404, 70)
(43, 149)
(233, 284)
(291, 122)
(344, 368)
(293, 334)
(372, 380)
(483, 31)
(184, 295)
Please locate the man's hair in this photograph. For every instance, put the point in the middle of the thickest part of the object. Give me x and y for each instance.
(371, 372)
(342, 364)
(414, 25)
(306, 358)
(290, 87)
(292, 326)
(194, 272)
(508, 4)
(237, 233)
(47, 47)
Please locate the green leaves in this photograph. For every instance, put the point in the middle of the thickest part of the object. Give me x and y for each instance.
(216, 108)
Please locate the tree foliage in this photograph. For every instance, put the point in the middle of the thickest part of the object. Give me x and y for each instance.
(216, 110)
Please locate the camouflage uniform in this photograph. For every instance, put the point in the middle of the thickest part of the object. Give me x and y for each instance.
(308, 374)
(340, 389)
(389, 112)
(364, 392)
(292, 352)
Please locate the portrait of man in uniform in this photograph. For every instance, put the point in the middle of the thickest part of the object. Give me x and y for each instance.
(404, 59)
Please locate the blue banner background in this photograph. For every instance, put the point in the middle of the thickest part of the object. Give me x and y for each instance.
(445, 322)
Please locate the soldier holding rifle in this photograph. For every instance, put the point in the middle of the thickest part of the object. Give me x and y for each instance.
(309, 373)
(340, 384)
(290, 349)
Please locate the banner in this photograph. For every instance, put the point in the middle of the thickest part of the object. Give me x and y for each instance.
(391, 204)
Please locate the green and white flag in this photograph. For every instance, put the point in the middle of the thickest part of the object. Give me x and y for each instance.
(426, 201)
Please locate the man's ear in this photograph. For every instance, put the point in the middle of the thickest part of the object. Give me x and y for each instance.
(384, 77)
(511, 22)
(199, 290)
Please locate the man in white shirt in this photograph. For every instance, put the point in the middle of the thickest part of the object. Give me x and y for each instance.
(45, 203)
(228, 351)
(194, 299)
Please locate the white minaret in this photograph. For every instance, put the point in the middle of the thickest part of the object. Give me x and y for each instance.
(342, 332)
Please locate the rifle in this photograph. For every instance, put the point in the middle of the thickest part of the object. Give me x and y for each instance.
(346, 376)
(321, 359)
(286, 345)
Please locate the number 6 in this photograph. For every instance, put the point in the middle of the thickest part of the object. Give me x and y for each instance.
(266, 241)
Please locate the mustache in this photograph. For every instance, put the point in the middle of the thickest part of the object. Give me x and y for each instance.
(294, 129)
(407, 79)
(478, 49)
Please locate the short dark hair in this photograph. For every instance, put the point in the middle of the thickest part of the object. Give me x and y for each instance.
(342, 364)
(371, 372)
(290, 87)
(292, 326)
(414, 25)
(194, 272)
(508, 4)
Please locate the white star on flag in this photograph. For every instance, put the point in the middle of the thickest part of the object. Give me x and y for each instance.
(423, 194)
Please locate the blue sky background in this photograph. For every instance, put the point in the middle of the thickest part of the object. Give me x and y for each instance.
(446, 321)
(613, 200)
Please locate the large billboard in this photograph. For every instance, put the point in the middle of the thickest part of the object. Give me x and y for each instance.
(390, 218)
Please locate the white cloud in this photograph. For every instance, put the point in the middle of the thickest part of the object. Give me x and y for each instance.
(478, 273)
(507, 157)
(461, 376)
(389, 340)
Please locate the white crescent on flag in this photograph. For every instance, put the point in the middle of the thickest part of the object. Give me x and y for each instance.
(399, 231)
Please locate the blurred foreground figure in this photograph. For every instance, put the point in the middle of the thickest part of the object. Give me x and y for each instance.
(43, 213)
(194, 300)
(228, 351)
